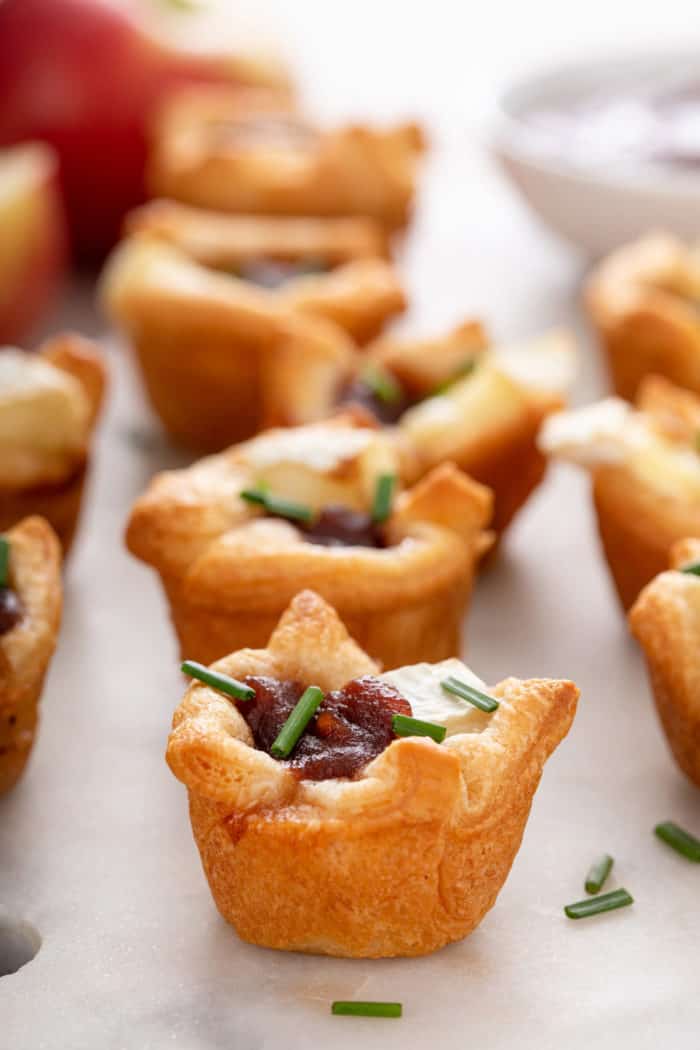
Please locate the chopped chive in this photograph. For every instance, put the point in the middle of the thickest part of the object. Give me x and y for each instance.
(405, 726)
(464, 370)
(280, 508)
(222, 682)
(598, 873)
(597, 905)
(383, 495)
(4, 561)
(693, 568)
(469, 693)
(682, 841)
(383, 384)
(358, 1009)
(304, 710)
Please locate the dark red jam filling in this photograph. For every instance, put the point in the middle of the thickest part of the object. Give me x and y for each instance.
(351, 727)
(338, 526)
(11, 610)
(358, 392)
(271, 273)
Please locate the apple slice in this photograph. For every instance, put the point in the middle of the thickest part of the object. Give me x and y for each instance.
(33, 245)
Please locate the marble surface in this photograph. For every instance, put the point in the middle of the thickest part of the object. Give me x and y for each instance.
(95, 844)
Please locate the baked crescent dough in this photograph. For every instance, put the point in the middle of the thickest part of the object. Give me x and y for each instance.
(645, 470)
(404, 858)
(25, 650)
(49, 405)
(665, 619)
(213, 153)
(643, 301)
(220, 358)
(229, 572)
(355, 286)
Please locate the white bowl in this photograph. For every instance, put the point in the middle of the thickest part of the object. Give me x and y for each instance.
(596, 204)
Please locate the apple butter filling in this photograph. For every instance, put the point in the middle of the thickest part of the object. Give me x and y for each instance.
(351, 727)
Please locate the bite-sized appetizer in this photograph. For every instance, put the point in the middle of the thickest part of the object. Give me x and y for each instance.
(237, 535)
(220, 358)
(457, 398)
(334, 268)
(30, 615)
(210, 152)
(645, 467)
(49, 402)
(343, 811)
(665, 619)
(643, 300)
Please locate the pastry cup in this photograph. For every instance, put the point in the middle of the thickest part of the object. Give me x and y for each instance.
(228, 572)
(356, 287)
(220, 359)
(214, 154)
(402, 859)
(59, 498)
(25, 650)
(486, 422)
(665, 619)
(647, 495)
(642, 301)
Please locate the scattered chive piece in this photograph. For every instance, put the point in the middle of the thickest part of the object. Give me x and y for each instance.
(4, 561)
(597, 905)
(469, 693)
(693, 568)
(219, 681)
(682, 841)
(382, 384)
(281, 508)
(358, 1009)
(383, 495)
(598, 873)
(464, 370)
(304, 710)
(403, 725)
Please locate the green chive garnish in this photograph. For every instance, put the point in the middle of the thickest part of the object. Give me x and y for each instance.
(693, 568)
(383, 495)
(218, 681)
(281, 508)
(405, 726)
(304, 710)
(597, 905)
(682, 841)
(358, 1009)
(469, 693)
(4, 561)
(383, 384)
(598, 873)
(465, 369)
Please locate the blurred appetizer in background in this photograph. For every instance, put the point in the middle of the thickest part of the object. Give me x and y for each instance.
(644, 300)
(88, 77)
(237, 535)
(459, 398)
(341, 811)
(30, 615)
(210, 151)
(665, 619)
(221, 358)
(49, 403)
(334, 268)
(33, 246)
(645, 468)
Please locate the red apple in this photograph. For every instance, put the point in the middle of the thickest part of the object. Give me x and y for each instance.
(86, 78)
(33, 246)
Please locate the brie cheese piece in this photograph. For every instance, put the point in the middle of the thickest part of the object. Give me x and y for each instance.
(420, 685)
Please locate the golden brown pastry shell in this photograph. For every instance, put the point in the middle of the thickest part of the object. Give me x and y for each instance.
(665, 619)
(25, 651)
(636, 303)
(402, 860)
(60, 502)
